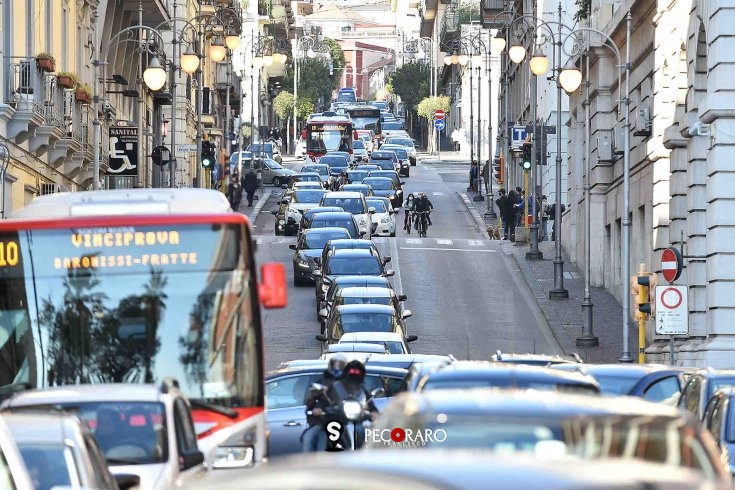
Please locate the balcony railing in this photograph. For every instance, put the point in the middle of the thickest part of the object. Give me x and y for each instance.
(367, 33)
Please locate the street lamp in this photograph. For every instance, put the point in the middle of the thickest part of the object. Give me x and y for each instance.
(570, 78)
(154, 76)
(312, 46)
(4, 163)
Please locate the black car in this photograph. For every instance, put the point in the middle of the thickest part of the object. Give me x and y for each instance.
(404, 163)
(308, 247)
(285, 389)
(355, 175)
(349, 263)
(652, 382)
(386, 187)
(339, 219)
(363, 318)
(351, 244)
(304, 177)
(338, 282)
(391, 174)
(700, 387)
(308, 215)
(334, 161)
(481, 374)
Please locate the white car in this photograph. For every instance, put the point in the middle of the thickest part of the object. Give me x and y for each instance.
(359, 151)
(355, 203)
(384, 218)
(393, 341)
(300, 149)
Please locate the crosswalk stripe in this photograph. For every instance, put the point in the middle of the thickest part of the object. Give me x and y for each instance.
(437, 193)
(440, 241)
(415, 241)
(476, 243)
(379, 239)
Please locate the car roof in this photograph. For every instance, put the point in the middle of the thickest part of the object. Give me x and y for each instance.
(42, 427)
(343, 195)
(375, 309)
(485, 370)
(355, 186)
(356, 243)
(353, 279)
(532, 358)
(319, 365)
(365, 292)
(324, 231)
(378, 177)
(365, 336)
(325, 209)
(403, 361)
(356, 347)
(352, 252)
(621, 369)
(332, 215)
(104, 392)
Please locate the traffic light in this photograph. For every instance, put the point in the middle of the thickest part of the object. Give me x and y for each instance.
(643, 289)
(208, 154)
(527, 152)
(498, 169)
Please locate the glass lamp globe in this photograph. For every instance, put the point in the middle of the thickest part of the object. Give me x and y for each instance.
(310, 53)
(257, 62)
(497, 44)
(232, 41)
(539, 63)
(154, 76)
(447, 60)
(455, 59)
(267, 60)
(189, 62)
(463, 59)
(420, 55)
(517, 53)
(570, 78)
(217, 52)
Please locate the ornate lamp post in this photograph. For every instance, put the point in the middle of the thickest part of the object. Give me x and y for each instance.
(311, 47)
(4, 163)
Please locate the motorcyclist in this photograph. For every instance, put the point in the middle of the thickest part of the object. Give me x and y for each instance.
(424, 205)
(316, 402)
(351, 383)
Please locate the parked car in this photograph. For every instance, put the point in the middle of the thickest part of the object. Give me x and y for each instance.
(272, 172)
(700, 387)
(481, 374)
(308, 247)
(719, 419)
(285, 389)
(59, 450)
(652, 382)
(142, 429)
(363, 318)
(385, 187)
(355, 203)
(529, 421)
(268, 149)
(384, 218)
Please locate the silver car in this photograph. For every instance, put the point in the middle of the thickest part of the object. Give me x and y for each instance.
(142, 429)
(60, 451)
(13, 471)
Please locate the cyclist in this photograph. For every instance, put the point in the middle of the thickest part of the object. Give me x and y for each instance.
(408, 207)
(424, 205)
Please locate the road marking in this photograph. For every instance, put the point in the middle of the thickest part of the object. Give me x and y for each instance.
(450, 249)
(397, 284)
(379, 239)
(476, 243)
(440, 241)
(417, 241)
(437, 193)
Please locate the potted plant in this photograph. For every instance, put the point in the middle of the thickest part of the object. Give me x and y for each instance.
(84, 93)
(67, 79)
(46, 62)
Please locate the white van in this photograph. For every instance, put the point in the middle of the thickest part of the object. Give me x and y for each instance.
(355, 203)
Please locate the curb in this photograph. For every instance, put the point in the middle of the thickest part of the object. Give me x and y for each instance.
(553, 322)
(262, 201)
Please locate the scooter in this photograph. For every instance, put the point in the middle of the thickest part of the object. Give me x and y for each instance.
(350, 409)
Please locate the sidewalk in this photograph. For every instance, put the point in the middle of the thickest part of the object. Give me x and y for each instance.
(564, 316)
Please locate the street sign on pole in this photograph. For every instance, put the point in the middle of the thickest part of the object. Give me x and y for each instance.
(439, 114)
(519, 136)
(672, 311)
(181, 149)
(671, 264)
(439, 124)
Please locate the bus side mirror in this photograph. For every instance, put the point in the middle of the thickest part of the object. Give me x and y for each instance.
(272, 286)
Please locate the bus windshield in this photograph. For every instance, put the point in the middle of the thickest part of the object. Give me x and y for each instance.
(322, 137)
(365, 118)
(132, 304)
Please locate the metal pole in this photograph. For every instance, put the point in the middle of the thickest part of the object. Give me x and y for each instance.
(533, 253)
(97, 130)
(172, 161)
(559, 292)
(295, 95)
(472, 121)
(142, 167)
(199, 105)
(228, 112)
(587, 339)
(478, 180)
(4, 161)
(490, 213)
(626, 203)
(252, 97)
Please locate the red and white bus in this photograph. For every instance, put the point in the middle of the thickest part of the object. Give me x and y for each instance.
(136, 286)
(327, 132)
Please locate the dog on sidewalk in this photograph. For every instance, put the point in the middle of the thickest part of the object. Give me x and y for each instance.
(493, 232)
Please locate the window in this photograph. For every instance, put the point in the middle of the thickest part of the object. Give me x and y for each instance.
(716, 419)
(185, 436)
(690, 399)
(664, 390)
(287, 392)
(99, 466)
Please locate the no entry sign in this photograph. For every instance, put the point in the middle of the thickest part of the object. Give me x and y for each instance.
(671, 264)
(439, 114)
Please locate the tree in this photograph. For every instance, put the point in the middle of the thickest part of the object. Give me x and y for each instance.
(411, 83)
(428, 107)
(338, 60)
(312, 74)
(304, 108)
(283, 105)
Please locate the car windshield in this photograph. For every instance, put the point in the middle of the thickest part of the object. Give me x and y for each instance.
(385, 164)
(351, 205)
(318, 170)
(357, 175)
(401, 141)
(49, 465)
(127, 432)
(616, 385)
(401, 152)
(379, 206)
(479, 382)
(266, 148)
(720, 384)
(392, 125)
(367, 322)
(361, 300)
(342, 266)
(334, 161)
(307, 177)
(318, 240)
(358, 145)
(335, 223)
(380, 184)
(382, 155)
(272, 164)
(308, 196)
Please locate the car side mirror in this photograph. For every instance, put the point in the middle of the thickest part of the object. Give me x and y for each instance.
(316, 273)
(412, 338)
(416, 146)
(362, 233)
(386, 260)
(406, 314)
(292, 246)
(321, 338)
(402, 297)
(190, 459)
(371, 210)
(126, 481)
(390, 273)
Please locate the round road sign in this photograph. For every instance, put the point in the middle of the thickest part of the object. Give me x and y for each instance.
(671, 264)
(439, 114)
(439, 124)
(671, 298)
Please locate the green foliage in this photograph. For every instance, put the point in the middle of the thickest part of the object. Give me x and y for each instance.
(411, 83)
(283, 105)
(429, 106)
(338, 60)
(313, 73)
(468, 12)
(304, 108)
(583, 12)
(246, 130)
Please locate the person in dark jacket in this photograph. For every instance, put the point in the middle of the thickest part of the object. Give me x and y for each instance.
(502, 203)
(250, 185)
(510, 213)
(316, 401)
(234, 193)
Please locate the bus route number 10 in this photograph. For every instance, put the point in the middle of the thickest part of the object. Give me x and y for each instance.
(8, 254)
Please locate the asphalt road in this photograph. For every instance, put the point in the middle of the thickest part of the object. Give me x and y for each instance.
(468, 299)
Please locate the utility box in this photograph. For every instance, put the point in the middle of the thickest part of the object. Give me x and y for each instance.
(605, 146)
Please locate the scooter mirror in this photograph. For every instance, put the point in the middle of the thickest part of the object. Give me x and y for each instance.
(378, 392)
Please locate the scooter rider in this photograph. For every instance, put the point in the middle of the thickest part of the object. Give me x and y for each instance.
(316, 401)
(352, 381)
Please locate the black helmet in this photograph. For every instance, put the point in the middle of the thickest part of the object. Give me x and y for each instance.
(337, 365)
(354, 372)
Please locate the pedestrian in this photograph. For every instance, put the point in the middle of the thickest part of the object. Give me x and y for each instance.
(486, 175)
(473, 176)
(518, 206)
(391, 106)
(250, 185)
(552, 216)
(455, 138)
(502, 203)
(234, 193)
(510, 215)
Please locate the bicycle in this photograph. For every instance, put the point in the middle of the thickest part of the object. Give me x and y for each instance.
(421, 224)
(408, 222)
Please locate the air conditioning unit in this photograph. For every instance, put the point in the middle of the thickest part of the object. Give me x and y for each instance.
(643, 121)
(605, 146)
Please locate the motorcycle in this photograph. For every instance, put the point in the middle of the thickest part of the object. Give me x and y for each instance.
(349, 409)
